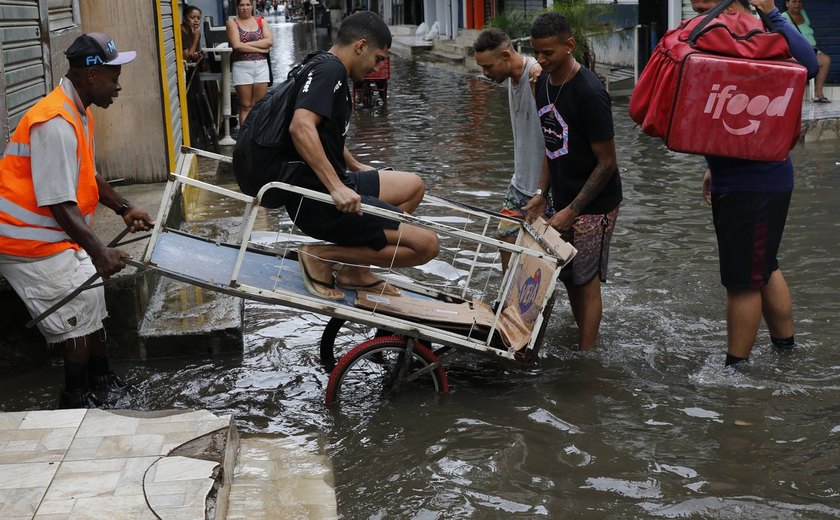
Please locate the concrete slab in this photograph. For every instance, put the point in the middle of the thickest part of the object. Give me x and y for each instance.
(116, 464)
(410, 46)
(274, 474)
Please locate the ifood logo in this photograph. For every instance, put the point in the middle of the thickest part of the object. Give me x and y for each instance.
(736, 104)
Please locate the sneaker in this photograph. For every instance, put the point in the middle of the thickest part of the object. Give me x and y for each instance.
(78, 399)
(109, 381)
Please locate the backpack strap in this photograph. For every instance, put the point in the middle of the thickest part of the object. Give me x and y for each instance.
(713, 13)
(710, 15)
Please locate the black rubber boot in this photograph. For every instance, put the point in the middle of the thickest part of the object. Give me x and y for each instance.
(783, 343)
(109, 381)
(78, 399)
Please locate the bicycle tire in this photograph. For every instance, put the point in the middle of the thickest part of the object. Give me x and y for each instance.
(358, 374)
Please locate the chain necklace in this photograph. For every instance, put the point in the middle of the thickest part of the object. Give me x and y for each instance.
(548, 83)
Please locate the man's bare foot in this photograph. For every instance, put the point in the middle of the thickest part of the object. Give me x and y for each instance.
(317, 276)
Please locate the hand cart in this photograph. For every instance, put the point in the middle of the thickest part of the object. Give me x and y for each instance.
(395, 334)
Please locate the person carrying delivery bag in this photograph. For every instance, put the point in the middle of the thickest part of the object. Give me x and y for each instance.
(749, 179)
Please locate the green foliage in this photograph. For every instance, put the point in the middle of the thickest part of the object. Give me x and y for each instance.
(515, 23)
(586, 19)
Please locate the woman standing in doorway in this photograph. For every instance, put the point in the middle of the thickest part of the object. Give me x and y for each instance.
(251, 41)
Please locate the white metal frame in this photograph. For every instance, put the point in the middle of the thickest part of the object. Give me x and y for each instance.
(339, 310)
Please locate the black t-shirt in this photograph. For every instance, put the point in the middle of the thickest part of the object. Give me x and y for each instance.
(323, 89)
(581, 116)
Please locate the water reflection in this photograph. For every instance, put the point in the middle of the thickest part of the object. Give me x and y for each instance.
(644, 426)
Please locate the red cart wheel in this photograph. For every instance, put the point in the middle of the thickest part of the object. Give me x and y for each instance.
(377, 366)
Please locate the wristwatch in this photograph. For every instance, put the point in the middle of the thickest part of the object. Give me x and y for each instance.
(539, 192)
(123, 208)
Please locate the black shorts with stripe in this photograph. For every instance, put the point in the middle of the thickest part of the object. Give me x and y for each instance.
(749, 227)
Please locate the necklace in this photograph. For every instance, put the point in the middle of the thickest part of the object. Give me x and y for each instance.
(548, 83)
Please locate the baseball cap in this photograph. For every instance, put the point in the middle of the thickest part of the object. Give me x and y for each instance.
(93, 49)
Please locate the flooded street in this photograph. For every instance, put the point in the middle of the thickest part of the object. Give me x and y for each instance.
(647, 425)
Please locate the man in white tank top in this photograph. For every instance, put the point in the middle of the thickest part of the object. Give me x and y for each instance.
(500, 62)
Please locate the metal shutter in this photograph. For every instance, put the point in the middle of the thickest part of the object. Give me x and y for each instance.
(825, 19)
(687, 11)
(171, 79)
(23, 75)
(63, 14)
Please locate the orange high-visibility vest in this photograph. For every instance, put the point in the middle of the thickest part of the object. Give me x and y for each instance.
(26, 229)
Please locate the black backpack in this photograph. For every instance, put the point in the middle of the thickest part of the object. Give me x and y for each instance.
(262, 151)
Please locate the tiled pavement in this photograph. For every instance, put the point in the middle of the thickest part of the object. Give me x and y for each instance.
(96, 464)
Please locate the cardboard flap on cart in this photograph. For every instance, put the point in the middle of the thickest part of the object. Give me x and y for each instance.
(426, 310)
(550, 241)
(532, 279)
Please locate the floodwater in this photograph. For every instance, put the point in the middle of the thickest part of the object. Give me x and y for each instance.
(647, 425)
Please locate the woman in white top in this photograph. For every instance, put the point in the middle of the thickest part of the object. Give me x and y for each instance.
(251, 41)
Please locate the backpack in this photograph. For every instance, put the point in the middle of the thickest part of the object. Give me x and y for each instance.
(722, 87)
(263, 146)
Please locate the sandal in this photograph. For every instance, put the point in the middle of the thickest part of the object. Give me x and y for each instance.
(822, 100)
(311, 284)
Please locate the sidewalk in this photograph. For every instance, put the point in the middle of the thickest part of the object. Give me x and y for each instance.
(821, 121)
(173, 464)
(115, 464)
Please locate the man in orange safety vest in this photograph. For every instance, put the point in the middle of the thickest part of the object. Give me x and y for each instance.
(49, 191)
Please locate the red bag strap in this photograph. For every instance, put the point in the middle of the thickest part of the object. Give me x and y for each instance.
(713, 13)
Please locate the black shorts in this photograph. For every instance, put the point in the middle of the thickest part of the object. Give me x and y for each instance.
(325, 222)
(749, 227)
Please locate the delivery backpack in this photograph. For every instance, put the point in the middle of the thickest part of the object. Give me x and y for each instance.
(722, 87)
(264, 147)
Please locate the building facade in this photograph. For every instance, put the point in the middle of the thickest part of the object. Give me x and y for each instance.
(138, 138)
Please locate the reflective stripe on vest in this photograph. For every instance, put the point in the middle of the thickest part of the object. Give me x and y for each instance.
(24, 215)
(28, 233)
(17, 149)
(33, 219)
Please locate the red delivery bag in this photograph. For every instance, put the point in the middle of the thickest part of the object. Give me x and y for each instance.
(720, 85)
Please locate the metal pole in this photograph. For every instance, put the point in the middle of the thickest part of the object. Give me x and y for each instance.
(636, 54)
(226, 139)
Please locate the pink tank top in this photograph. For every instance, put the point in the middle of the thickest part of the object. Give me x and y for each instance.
(247, 37)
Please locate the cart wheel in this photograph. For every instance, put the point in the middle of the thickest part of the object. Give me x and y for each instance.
(341, 336)
(373, 368)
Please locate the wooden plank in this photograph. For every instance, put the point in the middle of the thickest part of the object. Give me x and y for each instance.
(428, 311)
